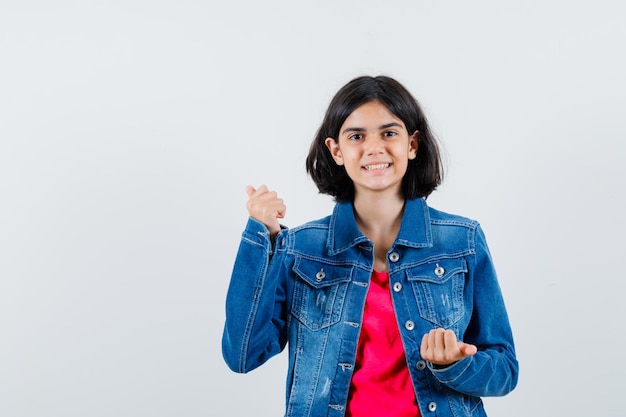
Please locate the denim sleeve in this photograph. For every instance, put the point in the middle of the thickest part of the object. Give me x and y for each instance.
(493, 370)
(255, 328)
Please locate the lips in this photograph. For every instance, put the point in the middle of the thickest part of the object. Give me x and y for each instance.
(374, 167)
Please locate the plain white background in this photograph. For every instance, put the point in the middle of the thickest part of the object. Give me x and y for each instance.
(129, 130)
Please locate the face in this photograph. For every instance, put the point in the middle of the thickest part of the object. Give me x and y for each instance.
(375, 147)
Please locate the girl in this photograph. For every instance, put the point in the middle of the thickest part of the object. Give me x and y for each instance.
(389, 307)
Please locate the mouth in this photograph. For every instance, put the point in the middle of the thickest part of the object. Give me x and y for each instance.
(375, 167)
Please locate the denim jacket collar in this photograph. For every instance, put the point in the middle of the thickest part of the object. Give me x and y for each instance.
(414, 231)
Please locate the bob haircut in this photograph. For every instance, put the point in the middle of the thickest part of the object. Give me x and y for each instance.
(424, 172)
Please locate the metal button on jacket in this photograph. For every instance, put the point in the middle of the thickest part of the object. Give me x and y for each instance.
(320, 275)
(394, 257)
(421, 365)
(439, 271)
(409, 325)
(397, 287)
(432, 406)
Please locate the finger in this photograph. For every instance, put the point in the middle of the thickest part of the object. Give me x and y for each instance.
(467, 349)
(259, 191)
(439, 336)
(269, 200)
(250, 190)
(267, 206)
(424, 345)
(432, 345)
(450, 340)
(277, 207)
(262, 189)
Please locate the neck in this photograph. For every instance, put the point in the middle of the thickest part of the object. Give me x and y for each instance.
(379, 215)
(379, 219)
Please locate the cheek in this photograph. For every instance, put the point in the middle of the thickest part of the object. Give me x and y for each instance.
(347, 155)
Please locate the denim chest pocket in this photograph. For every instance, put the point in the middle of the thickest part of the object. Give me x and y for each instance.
(438, 288)
(319, 292)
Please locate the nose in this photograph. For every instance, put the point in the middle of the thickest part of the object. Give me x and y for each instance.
(374, 145)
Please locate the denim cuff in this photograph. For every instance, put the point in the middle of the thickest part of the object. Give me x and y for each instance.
(451, 372)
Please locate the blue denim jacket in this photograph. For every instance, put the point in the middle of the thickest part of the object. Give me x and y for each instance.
(308, 290)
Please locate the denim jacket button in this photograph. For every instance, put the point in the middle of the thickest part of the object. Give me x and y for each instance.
(394, 257)
(320, 275)
(397, 287)
(439, 271)
(409, 325)
(421, 365)
(432, 406)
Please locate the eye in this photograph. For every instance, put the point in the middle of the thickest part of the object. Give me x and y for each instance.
(389, 133)
(356, 136)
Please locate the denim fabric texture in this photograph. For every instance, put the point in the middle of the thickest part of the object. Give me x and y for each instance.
(307, 292)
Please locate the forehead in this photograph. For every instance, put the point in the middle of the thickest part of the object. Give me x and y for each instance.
(372, 114)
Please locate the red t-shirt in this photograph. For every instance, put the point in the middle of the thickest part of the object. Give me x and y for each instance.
(381, 384)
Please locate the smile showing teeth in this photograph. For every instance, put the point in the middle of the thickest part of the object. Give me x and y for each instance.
(377, 166)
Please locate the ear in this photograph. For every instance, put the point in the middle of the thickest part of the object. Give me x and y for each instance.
(335, 152)
(414, 144)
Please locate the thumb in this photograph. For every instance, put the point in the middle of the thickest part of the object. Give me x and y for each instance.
(250, 190)
(467, 349)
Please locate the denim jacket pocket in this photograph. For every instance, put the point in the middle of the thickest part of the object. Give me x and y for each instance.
(438, 288)
(319, 292)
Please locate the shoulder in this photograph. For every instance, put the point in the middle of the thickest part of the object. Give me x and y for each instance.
(309, 231)
(442, 218)
(309, 239)
(311, 226)
(455, 230)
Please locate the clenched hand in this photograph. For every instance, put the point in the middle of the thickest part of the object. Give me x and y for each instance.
(440, 347)
(265, 206)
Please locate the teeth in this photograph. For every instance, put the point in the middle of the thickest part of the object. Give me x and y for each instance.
(377, 166)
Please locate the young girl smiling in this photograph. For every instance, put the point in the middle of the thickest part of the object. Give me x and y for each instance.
(388, 306)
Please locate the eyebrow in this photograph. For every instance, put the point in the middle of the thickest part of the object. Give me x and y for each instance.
(382, 127)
